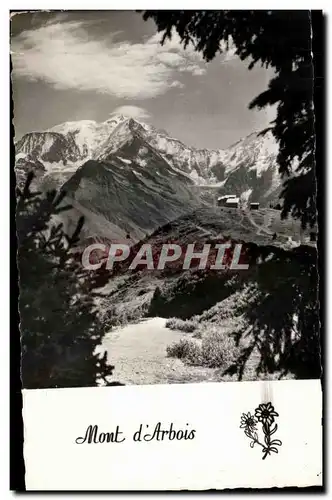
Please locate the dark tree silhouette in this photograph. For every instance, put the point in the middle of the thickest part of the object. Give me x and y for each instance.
(280, 327)
(60, 328)
(284, 316)
(280, 40)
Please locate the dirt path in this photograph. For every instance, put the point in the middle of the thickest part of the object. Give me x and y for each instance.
(138, 353)
(261, 228)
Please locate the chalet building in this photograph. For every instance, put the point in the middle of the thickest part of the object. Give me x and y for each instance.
(254, 206)
(232, 202)
(222, 200)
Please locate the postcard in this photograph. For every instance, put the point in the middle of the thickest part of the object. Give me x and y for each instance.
(167, 229)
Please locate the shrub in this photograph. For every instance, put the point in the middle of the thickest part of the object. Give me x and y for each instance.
(187, 350)
(218, 349)
(187, 326)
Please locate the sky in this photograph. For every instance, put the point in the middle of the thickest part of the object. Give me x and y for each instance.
(86, 65)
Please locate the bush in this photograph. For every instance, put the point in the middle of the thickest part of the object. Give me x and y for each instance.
(132, 313)
(187, 350)
(187, 326)
(218, 350)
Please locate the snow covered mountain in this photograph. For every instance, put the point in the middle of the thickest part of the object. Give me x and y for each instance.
(249, 169)
(49, 147)
(88, 134)
(135, 177)
(86, 139)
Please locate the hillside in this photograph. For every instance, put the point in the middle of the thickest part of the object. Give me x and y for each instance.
(119, 196)
(201, 226)
(242, 312)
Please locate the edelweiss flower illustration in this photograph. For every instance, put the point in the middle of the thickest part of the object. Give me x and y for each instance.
(248, 422)
(265, 413)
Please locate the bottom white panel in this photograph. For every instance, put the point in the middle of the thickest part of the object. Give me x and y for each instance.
(218, 456)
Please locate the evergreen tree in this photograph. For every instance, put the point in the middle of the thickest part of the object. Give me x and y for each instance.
(284, 316)
(60, 327)
(280, 40)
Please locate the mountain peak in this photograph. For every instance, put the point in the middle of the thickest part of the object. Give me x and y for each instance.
(116, 119)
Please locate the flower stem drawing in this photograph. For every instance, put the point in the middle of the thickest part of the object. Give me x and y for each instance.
(264, 414)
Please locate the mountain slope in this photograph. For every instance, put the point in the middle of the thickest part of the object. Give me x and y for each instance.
(49, 147)
(251, 307)
(128, 197)
(249, 169)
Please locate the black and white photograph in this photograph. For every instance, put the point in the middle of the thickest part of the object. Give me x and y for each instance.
(167, 187)
(166, 197)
